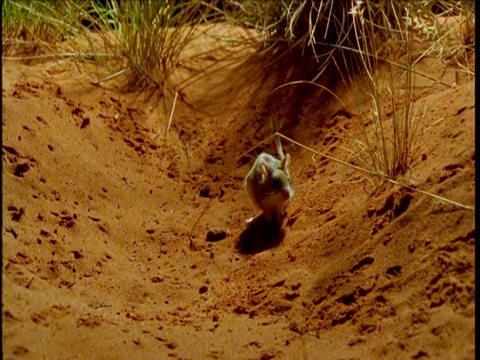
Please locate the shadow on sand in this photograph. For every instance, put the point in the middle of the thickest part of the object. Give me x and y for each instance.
(260, 235)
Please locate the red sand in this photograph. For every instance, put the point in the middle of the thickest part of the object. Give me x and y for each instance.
(97, 211)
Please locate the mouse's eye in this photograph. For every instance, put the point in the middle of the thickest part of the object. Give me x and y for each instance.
(275, 183)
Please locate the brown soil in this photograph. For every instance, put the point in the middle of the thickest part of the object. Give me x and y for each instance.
(97, 213)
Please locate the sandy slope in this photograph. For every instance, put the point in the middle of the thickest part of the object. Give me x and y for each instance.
(97, 261)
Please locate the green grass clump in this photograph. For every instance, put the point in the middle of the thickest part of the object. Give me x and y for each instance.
(141, 39)
(36, 27)
(149, 36)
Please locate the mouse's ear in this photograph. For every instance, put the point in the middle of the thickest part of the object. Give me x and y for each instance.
(286, 162)
(265, 173)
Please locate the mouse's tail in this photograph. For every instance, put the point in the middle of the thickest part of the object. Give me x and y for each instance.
(273, 124)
